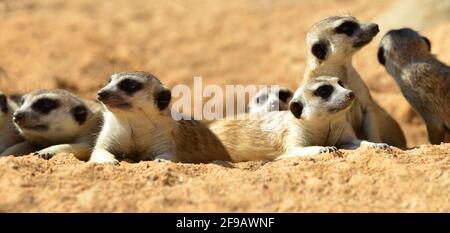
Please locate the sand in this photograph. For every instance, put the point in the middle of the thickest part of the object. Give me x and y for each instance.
(77, 44)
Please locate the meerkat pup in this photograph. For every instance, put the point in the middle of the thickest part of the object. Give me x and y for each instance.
(331, 44)
(316, 123)
(270, 99)
(138, 125)
(8, 133)
(56, 121)
(423, 79)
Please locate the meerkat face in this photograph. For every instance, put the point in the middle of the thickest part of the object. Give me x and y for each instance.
(271, 99)
(50, 114)
(403, 45)
(337, 38)
(135, 91)
(321, 98)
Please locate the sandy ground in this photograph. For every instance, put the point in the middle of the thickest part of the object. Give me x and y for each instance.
(77, 44)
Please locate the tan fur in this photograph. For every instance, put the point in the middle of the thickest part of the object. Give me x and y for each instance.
(279, 134)
(367, 118)
(143, 131)
(63, 133)
(423, 79)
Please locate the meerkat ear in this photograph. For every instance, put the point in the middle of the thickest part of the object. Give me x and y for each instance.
(80, 113)
(3, 103)
(320, 50)
(163, 98)
(296, 108)
(380, 55)
(428, 42)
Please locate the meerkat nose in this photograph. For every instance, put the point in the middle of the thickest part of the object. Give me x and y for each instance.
(19, 117)
(375, 28)
(102, 95)
(351, 95)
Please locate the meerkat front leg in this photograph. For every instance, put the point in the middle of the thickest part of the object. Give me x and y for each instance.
(370, 126)
(307, 151)
(22, 148)
(79, 150)
(102, 156)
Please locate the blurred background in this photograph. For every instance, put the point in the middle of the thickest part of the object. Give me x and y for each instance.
(77, 44)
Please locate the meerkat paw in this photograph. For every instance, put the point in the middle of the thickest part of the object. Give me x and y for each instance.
(45, 153)
(328, 149)
(374, 145)
(103, 157)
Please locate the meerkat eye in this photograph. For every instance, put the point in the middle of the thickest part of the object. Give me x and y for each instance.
(45, 105)
(130, 86)
(324, 91)
(347, 27)
(284, 95)
(3, 103)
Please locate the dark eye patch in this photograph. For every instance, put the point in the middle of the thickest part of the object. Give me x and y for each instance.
(324, 91)
(284, 95)
(45, 105)
(130, 86)
(80, 114)
(347, 28)
(3, 103)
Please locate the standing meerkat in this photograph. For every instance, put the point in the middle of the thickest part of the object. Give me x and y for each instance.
(331, 44)
(138, 125)
(423, 79)
(8, 133)
(56, 121)
(316, 123)
(270, 99)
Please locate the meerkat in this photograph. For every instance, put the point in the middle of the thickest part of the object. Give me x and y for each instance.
(8, 133)
(55, 121)
(316, 123)
(270, 99)
(422, 78)
(331, 44)
(138, 125)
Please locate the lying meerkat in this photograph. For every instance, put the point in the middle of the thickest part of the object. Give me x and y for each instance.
(331, 44)
(8, 133)
(138, 125)
(423, 79)
(316, 123)
(56, 121)
(270, 99)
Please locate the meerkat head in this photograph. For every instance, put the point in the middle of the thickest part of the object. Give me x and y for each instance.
(51, 114)
(403, 46)
(270, 99)
(321, 98)
(135, 91)
(337, 38)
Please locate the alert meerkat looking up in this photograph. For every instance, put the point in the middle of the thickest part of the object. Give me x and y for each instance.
(138, 125)
(270, 99)
(316, 123)
(422, 78)
(8, 133)
(55, 121)
(331, 44)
